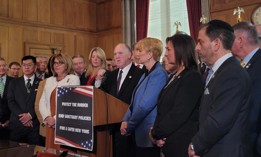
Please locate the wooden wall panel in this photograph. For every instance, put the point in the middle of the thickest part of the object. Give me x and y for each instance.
(80, 14)
(90, 16)
(57, 12)
(69, 11)
(30, 35)
(15, 46)
(15, 9)
(4, 8)
(108, 40)
(223, 9)
(69, 43)
(227, 15)
(45, 36)
(44, 10)
(219, 5)
(58, 38)
(4, 38)
(67, 24)
(30, 8)
(109, 15)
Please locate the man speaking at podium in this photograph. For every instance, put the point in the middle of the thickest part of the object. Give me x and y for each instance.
(121, 83)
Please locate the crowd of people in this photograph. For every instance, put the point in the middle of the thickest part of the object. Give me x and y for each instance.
(202, 100)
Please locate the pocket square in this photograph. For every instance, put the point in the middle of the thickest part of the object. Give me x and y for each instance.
(206, 92)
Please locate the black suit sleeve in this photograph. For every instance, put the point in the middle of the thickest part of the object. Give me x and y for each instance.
(186, 100)
(14, 108)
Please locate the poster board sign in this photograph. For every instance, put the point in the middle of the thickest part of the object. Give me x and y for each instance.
(74, 117)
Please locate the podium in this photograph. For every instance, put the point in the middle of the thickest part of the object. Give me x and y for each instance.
(107, 110)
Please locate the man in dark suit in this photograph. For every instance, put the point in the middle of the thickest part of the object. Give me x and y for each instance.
(225, 102)
(246, 48)
(41, 67)
(24, 124)
(4, 110)
(130, 76)
(122, 89)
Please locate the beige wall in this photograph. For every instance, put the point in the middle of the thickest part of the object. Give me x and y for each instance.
(74, 26)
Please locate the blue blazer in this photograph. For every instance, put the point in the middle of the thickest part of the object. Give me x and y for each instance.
(142, 111)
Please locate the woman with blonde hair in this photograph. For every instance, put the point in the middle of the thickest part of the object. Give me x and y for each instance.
(61, 67)
(97, 61)
(142, 111)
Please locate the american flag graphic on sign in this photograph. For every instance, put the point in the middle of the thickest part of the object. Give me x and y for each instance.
(74, 124)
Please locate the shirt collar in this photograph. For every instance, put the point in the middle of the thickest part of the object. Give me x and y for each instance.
(220, 61)
(250, 55)
(126, 68)
(32, 78)
(4, 78)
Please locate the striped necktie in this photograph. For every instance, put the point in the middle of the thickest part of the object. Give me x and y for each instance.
(28, 85)
(2, 87)
(119, 81)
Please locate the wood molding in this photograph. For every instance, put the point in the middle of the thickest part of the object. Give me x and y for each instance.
(43, 25)
(42, 49)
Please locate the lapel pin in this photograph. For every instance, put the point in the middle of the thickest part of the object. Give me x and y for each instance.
(248, 65)
(206, 92)
(130, 77)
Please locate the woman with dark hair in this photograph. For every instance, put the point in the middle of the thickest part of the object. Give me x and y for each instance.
(178, 103)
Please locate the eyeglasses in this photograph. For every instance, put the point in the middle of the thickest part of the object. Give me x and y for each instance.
(28, 65)
(58, 63)
(15, 69)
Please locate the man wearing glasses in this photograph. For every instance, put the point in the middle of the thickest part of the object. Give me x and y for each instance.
(24, 125)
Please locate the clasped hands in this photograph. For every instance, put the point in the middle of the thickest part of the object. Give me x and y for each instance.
(50, 121)
(26, 119)
(160, 142)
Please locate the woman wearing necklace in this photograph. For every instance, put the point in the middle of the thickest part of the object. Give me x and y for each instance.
(142, 111)
(61, 67)
(178, 103)
(97, 61)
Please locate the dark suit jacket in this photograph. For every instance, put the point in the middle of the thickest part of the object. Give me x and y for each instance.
(177, 117)
(223, 113)
(128, 85)
(84, 79)
(253, 68)
(4, 110)
(19, 101)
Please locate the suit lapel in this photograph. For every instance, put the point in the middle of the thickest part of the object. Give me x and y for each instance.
(224, 64)
(253, 59)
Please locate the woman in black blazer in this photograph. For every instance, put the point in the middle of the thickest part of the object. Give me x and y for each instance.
(178, 103)
(97, 61)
